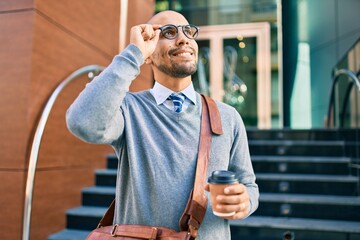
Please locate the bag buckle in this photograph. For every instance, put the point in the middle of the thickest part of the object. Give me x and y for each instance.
(113, 230)
(154, 233)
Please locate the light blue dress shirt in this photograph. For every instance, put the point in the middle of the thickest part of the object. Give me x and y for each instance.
(162, 93)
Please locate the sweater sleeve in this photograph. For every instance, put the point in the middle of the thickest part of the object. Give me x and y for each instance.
(95, 116)
(240, 162)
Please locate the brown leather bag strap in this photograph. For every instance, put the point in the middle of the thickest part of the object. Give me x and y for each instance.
(195, 210)
(196, 207)
(108, 217)
(215, 119)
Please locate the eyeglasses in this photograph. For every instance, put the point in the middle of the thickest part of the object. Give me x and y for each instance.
(171, 31)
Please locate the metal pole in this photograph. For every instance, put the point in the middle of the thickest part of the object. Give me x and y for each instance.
(37, 142)
(123, 24)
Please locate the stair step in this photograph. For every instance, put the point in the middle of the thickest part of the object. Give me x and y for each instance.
(106, 177)
(301, 164)
(307, 184)
(112, 161)
(307, 159)
(291, 134)
(306, 177)
(87, 211)
(296, 147)
(273, 228)
(297, 143)
(69, 234)
(311, 199)
(309, 206)
(299, 224)
(302, 134)
(85, 217)
(98, 196)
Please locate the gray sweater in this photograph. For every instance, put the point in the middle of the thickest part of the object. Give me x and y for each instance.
(157, 148)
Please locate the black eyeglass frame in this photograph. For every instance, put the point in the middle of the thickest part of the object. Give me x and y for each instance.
(183, 30)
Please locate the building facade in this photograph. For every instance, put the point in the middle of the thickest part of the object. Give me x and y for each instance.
(273, 60)
(307, 38)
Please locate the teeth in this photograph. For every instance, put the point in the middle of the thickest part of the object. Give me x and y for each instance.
(184, 54)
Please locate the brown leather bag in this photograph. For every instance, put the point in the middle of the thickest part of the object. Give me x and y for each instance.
(196, 207)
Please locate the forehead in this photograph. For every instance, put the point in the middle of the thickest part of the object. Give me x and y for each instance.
(168, 17)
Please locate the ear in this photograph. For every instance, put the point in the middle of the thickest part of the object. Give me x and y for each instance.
(148, 60)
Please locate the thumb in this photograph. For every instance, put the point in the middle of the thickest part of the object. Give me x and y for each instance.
(150, 44)
(157, 35)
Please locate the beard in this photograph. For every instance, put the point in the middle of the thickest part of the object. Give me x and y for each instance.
(178, 70)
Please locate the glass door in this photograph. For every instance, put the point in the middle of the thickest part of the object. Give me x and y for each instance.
(234, 67)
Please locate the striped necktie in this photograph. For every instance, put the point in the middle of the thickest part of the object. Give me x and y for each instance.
(178, 100)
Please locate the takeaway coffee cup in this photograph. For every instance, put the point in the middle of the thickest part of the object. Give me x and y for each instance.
(218, 181)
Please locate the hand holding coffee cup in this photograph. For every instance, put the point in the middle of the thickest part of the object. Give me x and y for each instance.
(218, 181)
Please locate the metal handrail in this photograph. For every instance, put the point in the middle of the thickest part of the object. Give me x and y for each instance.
(92, 70)
(346, 100)
(336, 78)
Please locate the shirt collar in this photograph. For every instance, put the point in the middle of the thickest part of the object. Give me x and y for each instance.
(161, 93)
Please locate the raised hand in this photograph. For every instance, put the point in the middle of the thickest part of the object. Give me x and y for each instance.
(145, 37)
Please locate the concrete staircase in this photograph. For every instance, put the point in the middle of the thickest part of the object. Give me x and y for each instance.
(308, 188)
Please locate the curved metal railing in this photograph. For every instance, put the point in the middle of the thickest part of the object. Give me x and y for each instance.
(346, 100)
(92, 71)
(350, 74)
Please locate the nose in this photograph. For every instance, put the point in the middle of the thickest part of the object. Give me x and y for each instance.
(181, 39)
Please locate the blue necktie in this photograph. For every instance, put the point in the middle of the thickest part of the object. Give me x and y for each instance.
(178, 100)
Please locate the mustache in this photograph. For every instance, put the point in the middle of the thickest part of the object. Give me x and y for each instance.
(174, 50)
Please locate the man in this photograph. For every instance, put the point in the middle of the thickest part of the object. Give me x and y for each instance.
(157, 140)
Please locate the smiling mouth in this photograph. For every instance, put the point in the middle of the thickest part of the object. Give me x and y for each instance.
(183, 54)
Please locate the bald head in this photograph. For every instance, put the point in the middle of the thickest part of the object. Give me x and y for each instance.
(168, 17)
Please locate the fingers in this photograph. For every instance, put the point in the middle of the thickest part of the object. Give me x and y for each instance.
(241, 209)
(146, 31)
(235, 199)
(235, 189)
(236, 204)
(231, 199)
(145, 37)
(232, 203)
(238, 215)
